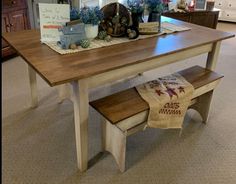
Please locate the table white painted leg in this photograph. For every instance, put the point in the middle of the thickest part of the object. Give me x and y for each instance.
(204, 102)
(80, 99)
(33, 86)
(63, 92)
(213, 56)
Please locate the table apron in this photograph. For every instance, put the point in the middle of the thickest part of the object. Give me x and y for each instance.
(130, 70)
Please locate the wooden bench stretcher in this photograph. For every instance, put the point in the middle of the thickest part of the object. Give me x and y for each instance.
(126, 112)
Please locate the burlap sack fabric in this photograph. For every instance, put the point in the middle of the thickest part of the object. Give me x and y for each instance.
(168, 98)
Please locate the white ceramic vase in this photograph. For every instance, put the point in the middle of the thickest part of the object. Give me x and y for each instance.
(91, 31)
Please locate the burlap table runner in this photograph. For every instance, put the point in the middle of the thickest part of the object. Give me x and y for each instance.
(168, 98)
(167, 28)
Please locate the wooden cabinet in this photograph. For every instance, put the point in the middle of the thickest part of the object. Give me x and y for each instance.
(200, 17)
(18, 20)
(14, 18)
(205, 18)
(176, 15)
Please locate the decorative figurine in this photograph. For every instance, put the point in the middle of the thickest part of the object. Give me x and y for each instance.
(102, 35)
(85, 43)
(108, 38)
(132, 32)
(73, 46)
(73, 33)
(182, 5)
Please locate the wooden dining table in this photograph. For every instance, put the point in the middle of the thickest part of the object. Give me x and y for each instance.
(92, 68)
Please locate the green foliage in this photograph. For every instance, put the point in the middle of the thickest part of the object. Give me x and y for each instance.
(155, 5)
(136, 6)
(90, 15)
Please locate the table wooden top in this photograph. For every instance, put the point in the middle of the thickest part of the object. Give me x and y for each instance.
(58, 69)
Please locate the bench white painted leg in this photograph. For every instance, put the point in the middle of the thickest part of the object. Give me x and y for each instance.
(114, 141)
(81, 111)
(203, 105)
(33, 86)
(63, 92)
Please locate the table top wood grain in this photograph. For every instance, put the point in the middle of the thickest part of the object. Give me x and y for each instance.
(57, 69)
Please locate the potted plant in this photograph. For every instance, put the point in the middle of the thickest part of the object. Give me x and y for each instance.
(137, 9)
(155, 8)
(91, 17)
(74, 14)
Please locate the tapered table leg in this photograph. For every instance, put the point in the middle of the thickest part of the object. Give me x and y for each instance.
(80, 99)
(213, 56)
(33, 86)
(63, 92)
(205, 100)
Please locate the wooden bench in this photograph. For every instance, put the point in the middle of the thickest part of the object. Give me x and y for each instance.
(126, 112)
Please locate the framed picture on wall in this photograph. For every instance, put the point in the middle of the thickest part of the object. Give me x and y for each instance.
(200, 4)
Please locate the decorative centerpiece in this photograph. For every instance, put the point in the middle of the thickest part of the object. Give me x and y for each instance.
(183, 5)
(132, 32)
(74, 14)
(91, 17)
(116, 19)
(149, 28)
(72, 34)
(137, 8)
(155, 8)
(191, 5)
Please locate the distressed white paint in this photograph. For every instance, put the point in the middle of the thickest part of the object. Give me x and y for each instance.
(81, 109)
(33, 86)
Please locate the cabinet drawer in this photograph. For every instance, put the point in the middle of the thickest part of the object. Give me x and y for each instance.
(231, 4)
(18, 20)
(7, 52)
(219, 4)
(13, 3)
(4, 44)
(230, 14)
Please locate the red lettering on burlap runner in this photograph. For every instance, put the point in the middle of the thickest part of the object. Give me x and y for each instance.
(168, 98)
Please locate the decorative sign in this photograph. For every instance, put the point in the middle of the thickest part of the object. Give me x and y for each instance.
(52, 17)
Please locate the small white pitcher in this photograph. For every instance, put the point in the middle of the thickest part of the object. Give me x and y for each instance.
(91, 31)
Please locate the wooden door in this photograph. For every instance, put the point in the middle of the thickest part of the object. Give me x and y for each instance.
(5, 23)
(18, 20)
(5, 27)
(13, 3)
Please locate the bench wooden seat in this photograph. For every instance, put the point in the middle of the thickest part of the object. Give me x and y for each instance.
(126, 112)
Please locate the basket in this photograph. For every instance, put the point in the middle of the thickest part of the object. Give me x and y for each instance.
(116, 19)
